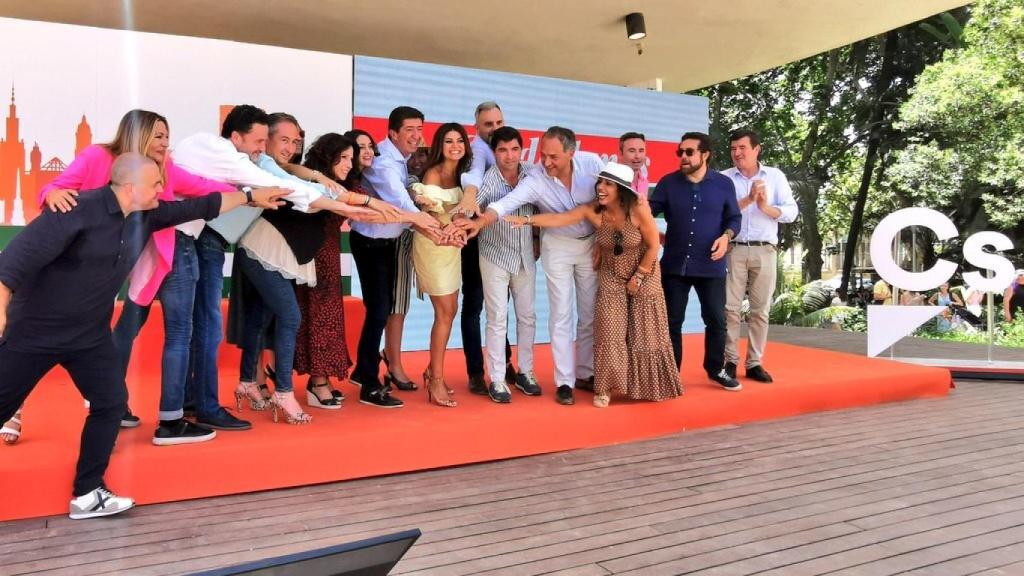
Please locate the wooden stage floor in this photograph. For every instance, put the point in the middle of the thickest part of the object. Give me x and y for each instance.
(923, 487)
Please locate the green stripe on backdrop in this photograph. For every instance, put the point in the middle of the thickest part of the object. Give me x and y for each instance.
(7, 233)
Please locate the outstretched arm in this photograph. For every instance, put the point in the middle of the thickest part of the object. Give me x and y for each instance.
(554, 219)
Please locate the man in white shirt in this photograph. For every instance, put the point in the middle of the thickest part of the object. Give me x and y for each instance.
(566, 180)
(765, 200)
(230, 158)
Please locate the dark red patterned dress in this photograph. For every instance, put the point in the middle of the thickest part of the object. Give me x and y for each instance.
(320, 348)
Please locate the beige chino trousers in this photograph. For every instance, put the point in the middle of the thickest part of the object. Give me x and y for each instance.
(752, 271)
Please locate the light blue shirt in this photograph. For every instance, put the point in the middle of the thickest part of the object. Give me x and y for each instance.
(386, 179)
(758, 226)
(483, 159)
(548, 194)
(268, 164)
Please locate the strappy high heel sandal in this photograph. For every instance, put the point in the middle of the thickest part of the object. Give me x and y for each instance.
(389, 378)
(330, 403)
(427, 381)
(11, 435)
(602, 400)
(251, 392)
(280, 402)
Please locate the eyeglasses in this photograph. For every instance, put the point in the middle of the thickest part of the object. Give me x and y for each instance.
(618, 243)
(688, 152)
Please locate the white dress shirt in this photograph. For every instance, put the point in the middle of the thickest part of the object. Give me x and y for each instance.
(548, 194)
(213, 157)
(758, 226)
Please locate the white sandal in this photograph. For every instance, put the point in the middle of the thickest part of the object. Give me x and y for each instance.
(8, 431)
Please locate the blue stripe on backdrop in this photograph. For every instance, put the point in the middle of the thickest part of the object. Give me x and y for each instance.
(450, 94)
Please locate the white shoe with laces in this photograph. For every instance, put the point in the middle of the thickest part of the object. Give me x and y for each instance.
(99, 502)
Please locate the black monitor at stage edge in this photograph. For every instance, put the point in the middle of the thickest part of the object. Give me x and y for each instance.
(371, 557)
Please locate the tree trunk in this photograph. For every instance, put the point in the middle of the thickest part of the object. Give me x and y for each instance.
(807, 196)
(884, 82)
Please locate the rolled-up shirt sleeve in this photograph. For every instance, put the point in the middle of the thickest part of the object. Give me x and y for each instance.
(784, 200)
(526, 192)
(389, 186)
(215, 158)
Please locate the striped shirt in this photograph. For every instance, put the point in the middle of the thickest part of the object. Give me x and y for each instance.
(507, 247)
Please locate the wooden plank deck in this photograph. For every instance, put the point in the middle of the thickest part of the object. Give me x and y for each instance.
(931, 487)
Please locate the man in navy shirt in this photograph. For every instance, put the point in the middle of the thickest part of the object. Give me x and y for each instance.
(700, 207)
(58, 281)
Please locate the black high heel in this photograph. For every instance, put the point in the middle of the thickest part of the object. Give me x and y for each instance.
(331, 403)
(272, 376)
(389, 378)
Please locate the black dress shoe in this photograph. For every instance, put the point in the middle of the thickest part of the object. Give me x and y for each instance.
(477, 385)
(758, 373)
(381, 398)
(564, 395)
(129, 420)
(223, 420)
(725, 381)
(730, 369)
(585, 384)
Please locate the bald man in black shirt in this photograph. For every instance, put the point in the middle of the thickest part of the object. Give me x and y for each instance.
(58, 281)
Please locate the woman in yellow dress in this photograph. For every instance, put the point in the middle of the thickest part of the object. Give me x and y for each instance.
(439, 268)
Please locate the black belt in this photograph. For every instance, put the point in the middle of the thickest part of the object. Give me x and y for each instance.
(754, 243)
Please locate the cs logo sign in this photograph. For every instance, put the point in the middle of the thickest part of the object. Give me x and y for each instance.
(887, 324)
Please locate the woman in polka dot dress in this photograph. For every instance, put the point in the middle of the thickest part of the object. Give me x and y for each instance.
(632, 351)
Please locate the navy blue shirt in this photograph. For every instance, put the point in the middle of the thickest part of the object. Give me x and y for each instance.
(697, 214)
(65, 269)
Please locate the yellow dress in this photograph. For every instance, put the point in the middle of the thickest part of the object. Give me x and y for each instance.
(438, 268)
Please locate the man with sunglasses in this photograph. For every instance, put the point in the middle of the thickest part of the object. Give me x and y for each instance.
(699, 205)
(765, 199)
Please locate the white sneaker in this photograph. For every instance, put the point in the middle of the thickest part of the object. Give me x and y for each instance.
(99, 502)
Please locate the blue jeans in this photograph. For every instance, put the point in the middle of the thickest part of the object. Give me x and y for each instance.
(177, 294)
(278, 295)
(208, 327)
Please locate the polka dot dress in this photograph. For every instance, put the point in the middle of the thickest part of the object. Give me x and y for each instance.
(632, 351)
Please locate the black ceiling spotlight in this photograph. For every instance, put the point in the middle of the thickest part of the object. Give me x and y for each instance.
(635, 27)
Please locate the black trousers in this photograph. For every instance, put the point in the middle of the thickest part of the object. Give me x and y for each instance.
(472, 308)
(711, 294)
(375, 262)
(97, 374)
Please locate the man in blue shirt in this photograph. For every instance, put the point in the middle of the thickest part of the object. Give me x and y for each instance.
(700, 207)
(374, 248)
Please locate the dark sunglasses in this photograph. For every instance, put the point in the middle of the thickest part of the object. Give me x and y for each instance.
(688, 152)
(618, 243)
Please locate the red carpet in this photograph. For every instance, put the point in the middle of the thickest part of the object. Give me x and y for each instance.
(359, 441)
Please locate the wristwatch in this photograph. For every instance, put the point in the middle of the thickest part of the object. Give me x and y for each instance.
(248, 194)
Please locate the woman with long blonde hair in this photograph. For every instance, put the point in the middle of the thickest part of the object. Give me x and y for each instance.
(167, 267)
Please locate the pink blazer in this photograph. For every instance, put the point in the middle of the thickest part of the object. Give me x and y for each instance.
(91, 169)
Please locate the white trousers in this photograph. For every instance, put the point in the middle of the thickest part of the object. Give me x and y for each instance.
(498, 282)
(569, 266)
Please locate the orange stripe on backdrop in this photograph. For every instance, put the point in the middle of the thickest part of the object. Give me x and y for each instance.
(360, 441)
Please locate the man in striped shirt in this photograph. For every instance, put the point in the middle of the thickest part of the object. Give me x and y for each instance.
(507, 265)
